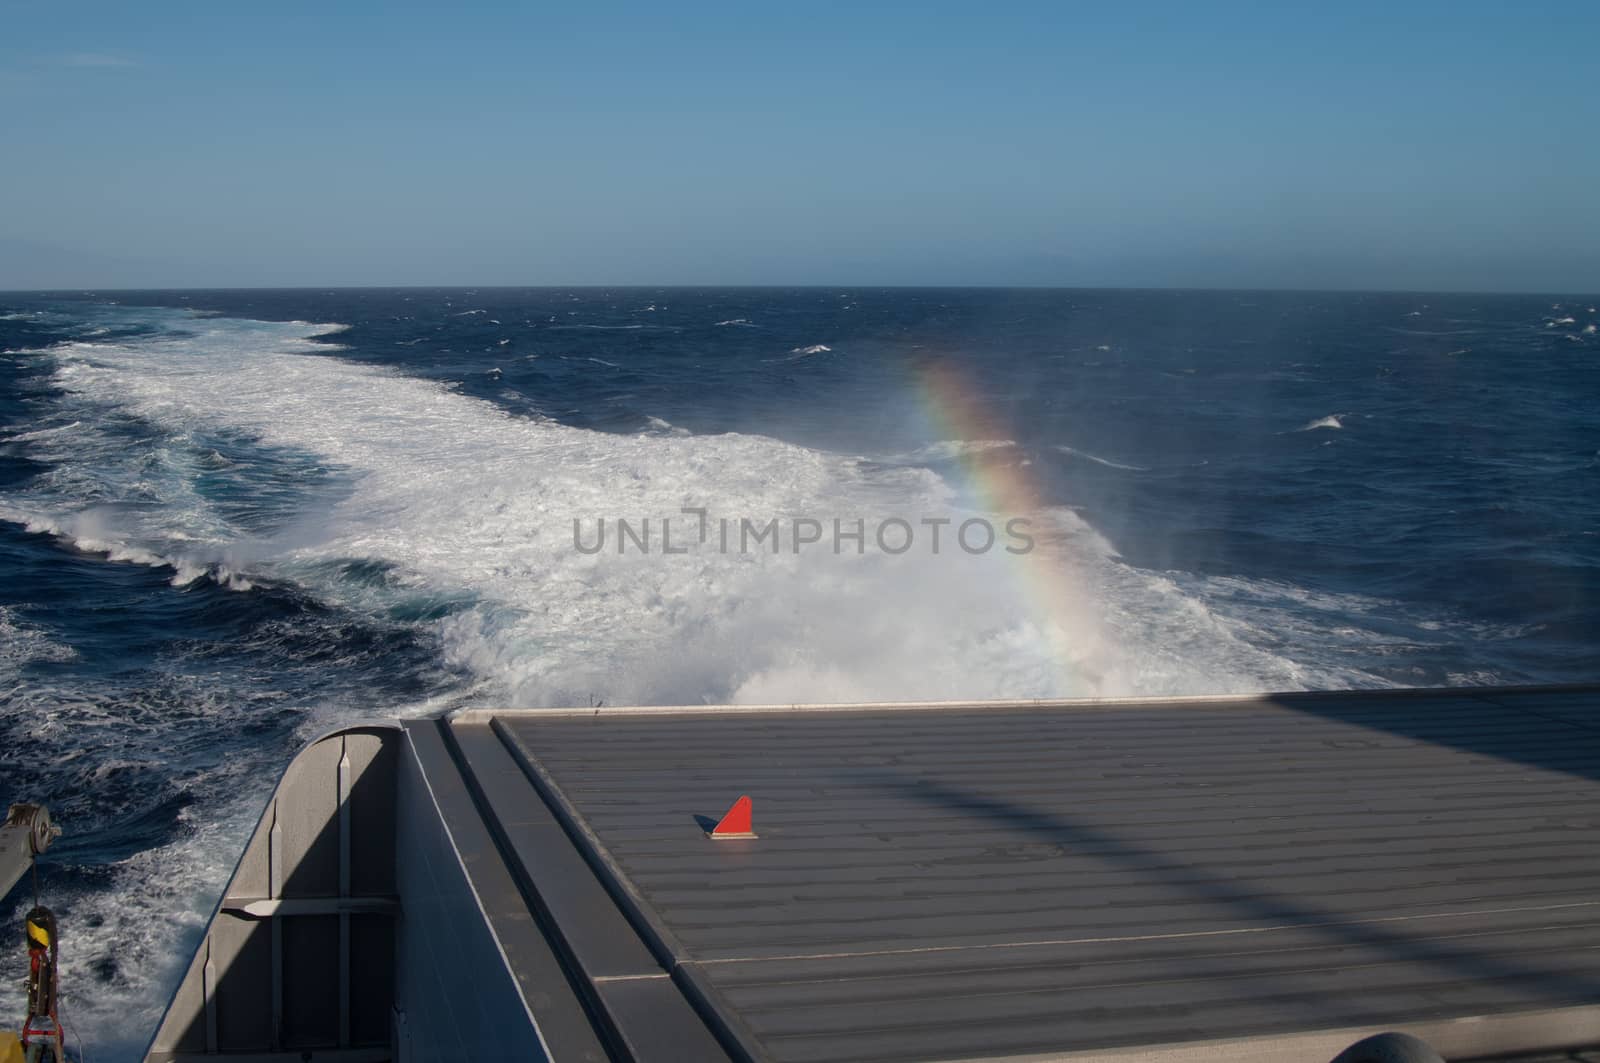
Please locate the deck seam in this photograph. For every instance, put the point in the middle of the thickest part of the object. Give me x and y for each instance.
(1125, 938)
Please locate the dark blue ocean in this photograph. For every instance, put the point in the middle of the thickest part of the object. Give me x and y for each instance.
(232, 520)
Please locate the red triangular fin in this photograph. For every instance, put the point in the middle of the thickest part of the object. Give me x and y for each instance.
(736, 823)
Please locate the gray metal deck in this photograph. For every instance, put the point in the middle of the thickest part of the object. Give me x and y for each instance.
(953, 882)
(1260, 879)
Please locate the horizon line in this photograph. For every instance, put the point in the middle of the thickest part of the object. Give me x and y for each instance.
(98, 289)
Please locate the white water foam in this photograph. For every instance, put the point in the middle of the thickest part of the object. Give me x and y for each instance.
(656, 424)
(1333, 420)
(463, 497)
(22, 644)
(89, 530)
(946, 450)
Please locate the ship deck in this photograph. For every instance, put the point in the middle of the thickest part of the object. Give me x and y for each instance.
(1246, 878)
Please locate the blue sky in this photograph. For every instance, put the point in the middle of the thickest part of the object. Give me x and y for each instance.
(1394, 145)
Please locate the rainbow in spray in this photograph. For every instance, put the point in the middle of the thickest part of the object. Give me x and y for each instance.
(1001, 481)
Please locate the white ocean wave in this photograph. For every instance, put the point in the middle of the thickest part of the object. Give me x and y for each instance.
(950, 449)
(1107, 462)
(656, 424)
(90, 531)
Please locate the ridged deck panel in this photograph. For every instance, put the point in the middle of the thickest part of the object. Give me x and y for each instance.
(951, 882)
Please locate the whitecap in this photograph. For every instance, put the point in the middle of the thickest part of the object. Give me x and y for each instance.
(312, 328)
(1107, 462)
(1333, 420)
(949, 450)
(656, 424)
(94, 531)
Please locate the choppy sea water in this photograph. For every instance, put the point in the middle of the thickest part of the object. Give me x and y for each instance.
(232, 520)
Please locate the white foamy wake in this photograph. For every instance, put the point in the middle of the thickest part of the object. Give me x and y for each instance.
(1333, 420)
(461, 497)
(464, 499)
